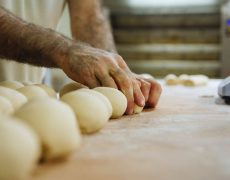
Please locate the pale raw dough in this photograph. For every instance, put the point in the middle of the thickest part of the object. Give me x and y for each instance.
(6, 106)
(137, 109)
(102, 97)
(91, 111)
(196, 80)
(55, 124)
(116, 98)
(27, 83)
(32, 92)
(147, 76)
(16, 98)
(183, 78)
(50, 91)
(19, 149)
(71, 87)
(171, 79)
(11, 84)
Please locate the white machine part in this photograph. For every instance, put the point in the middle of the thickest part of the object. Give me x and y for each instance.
(224, 90)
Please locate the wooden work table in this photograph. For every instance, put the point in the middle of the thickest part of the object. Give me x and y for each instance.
(187, 137)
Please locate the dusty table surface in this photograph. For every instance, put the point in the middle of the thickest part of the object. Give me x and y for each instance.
(186, 137)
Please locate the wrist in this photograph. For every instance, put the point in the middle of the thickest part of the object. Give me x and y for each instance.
(60, 52)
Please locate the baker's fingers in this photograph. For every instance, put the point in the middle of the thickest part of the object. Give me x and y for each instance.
(78, 85)
(139, 99)
(124, 83)
(145, 88)
(92, 82)
(106, 80)
(155, 92)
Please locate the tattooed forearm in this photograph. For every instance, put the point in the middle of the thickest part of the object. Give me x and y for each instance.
(27, 43)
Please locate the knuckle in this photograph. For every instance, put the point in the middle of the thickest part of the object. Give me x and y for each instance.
(127, 90)
(102, 72)
(146, 84)
(115, 70)
(135, 84)
(86, 72)
(134, 81)
(97, 65)
(120, 61)
(127, 82)
(107, 59)
(117, 57)
(125, 86)
(158, 88)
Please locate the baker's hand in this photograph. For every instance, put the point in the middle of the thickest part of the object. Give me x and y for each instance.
(93, 67)
(150, 88)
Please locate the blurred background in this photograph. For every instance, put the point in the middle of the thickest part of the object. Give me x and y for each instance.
(170, 36)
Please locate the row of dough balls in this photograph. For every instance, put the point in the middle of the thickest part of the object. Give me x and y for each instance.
(35, 125)
(186, 80)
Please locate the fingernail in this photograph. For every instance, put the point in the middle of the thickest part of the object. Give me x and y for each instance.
(142, 101)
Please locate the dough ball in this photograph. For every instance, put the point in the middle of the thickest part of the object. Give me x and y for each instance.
(71, 87)
(147, 76)
(27, 83)
(11, 84)
(20, 149)
(50, 91)
(171, 80)
(55, 124)
(196, 80)
(5, 106)
(102, 97)
(183, 78)
(16, 98)
(32, 92)
(137, 109)
(116, 98)
(91, 111)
